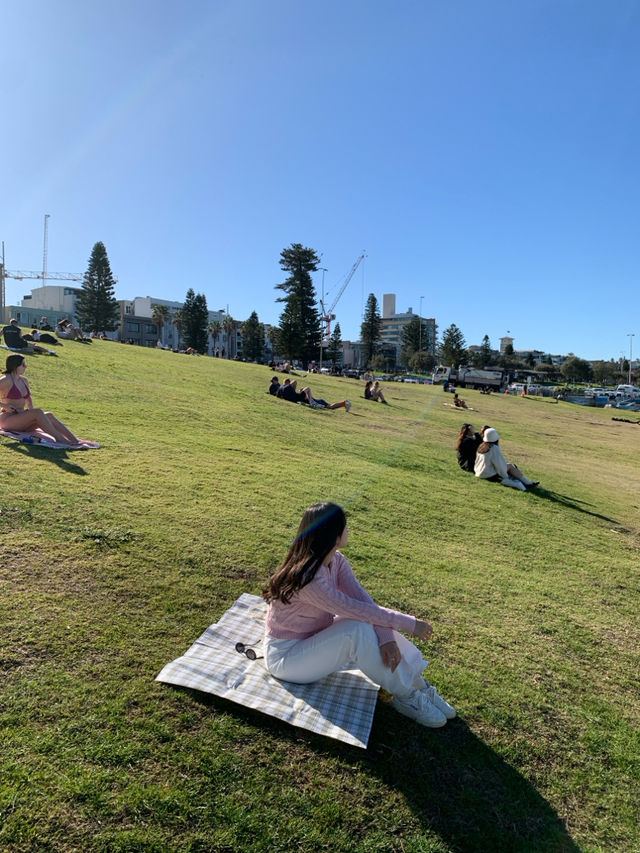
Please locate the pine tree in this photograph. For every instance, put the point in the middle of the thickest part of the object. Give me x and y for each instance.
(290, 335)
(371, 329)
(194, 321)
(417, 337)
(97, 308)
(508, 358)
(253, 338)
(334, 350)
(485, 352)
(299, 322)
(453, 349)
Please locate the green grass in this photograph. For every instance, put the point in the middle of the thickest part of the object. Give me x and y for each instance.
(114, 561)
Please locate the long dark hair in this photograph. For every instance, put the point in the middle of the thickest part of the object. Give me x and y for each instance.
(13, 363)
(320, 528)
(463, 435)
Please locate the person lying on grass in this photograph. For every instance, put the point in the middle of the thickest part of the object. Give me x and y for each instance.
(288, 391)
(491, 465)
(320, 620)
(44, 337)
(17, 413)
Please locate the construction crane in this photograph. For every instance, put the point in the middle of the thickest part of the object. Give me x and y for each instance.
(21, 274)
(43, 276)
(327, 315)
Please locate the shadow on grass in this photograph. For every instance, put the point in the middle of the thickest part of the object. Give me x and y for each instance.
(58, 457)
(458, 788)
(571, 503)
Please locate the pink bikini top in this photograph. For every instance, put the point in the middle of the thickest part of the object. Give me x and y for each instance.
(16, 394)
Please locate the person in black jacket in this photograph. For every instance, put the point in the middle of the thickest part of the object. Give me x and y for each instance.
(467, 446)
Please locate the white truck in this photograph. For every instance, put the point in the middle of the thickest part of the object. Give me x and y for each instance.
(471, 377)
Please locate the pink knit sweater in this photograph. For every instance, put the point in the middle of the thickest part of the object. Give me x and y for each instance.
(334, 591)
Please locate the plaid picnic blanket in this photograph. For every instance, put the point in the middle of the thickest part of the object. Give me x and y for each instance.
(340, 706)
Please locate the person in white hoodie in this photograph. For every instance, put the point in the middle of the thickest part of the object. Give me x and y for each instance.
(491, 465)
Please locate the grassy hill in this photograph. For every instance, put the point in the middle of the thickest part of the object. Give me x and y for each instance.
(114, 561)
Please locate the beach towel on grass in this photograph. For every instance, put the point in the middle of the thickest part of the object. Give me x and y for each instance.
(37, 436)
(26, 351)
(340, 706)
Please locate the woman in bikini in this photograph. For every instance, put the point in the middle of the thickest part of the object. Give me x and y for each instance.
(17, 412)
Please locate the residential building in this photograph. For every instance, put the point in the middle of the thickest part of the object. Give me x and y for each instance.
(55, 302)
(393, 325)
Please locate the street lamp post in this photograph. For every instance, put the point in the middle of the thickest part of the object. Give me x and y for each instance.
(631, 336)
(324, 270)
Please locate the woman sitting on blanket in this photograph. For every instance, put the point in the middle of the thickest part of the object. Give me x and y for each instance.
(17, 413)
(320, 620)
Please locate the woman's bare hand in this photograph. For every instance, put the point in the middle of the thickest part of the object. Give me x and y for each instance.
(390, 654)
(423, 630)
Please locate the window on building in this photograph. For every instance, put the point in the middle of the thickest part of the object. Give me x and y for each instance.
(133, 327)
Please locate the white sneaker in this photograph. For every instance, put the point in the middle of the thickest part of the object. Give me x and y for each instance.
(347, 404)
(419, 708)
(436, 699)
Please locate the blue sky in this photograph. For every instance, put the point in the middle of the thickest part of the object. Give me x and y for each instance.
(485, 155)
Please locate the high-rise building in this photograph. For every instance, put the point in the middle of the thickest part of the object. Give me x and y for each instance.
(393, 325)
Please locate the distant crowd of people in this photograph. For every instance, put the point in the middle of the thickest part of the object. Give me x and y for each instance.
(31, 341)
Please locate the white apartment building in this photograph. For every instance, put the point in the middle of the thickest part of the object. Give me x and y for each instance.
(393, 325)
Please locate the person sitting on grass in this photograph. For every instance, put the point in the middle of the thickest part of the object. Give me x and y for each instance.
(274, 385)
(459, 403)
(376, 393)
(372, 391)
(14, 339)
(65, 329)
(17, 413)
(321, 620)
(467, 446)
(491, 465)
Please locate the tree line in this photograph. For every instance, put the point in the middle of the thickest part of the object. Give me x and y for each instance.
(299, 334)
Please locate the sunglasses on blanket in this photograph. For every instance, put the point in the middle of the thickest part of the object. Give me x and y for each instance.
(247, 650)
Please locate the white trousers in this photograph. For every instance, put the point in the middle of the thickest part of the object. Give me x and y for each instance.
(345, 644)
(513, 484)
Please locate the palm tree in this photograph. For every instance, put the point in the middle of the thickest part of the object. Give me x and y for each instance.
(178, 322)
(160, 316)
(214, 330)
(228, 324)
